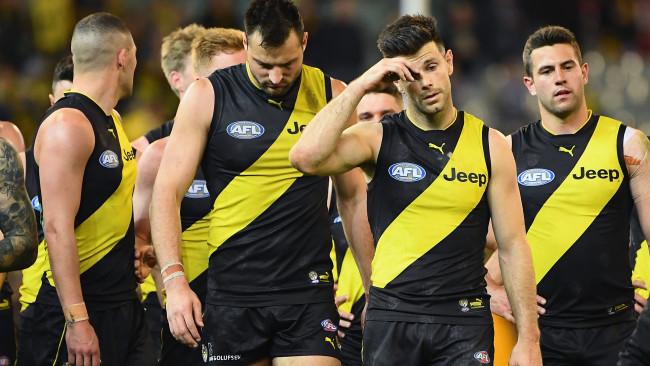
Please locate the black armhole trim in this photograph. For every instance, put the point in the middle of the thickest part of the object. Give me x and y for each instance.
(218, 105)
(328, 87)
(486, 149)
(620, 150)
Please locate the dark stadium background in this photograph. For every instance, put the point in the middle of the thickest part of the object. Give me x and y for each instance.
(486, 36)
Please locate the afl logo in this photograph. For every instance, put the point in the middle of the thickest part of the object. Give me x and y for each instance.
(328, 326)
(535, 177)
(406, 172)
(245, 130)
(36, 204)
(109, 159)
(198, 189)
(482, 357)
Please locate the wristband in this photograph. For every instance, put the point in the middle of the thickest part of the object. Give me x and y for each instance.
(75, 313)
(165, 268)
(172, 276)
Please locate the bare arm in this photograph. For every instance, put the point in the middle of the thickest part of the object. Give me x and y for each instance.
(351, 194)
(514, 252)
(177, 169)
(61, 167)
(12, 133)
(17, 222)
(324, 148)
(636, 151)
(148, 165)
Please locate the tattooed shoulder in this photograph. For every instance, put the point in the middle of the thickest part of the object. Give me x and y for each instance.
(17, 222)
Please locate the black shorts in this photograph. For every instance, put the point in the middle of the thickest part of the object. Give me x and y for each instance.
(402, 343)
(351, 345)
(175, 353)
(636, 351)
(25, 338)
(7, 340)
(237, 335)
(121, 330)
(584, 346)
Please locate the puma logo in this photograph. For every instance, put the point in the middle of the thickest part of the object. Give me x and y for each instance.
(436, 147)
(568, 151)
(330, 341)
(277, 104)
(112, 132)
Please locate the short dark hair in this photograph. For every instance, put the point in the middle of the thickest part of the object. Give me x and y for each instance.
(64, 70)
(408, 34)
(274, 19)
(548, 36)
(389, 89)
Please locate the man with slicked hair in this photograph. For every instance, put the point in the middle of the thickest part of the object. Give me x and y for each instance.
(86, 308)
(580, 174)
(437, 175)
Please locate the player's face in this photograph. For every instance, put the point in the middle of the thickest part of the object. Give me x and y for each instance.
(373, 106)
(430, 93)
(558, 79)
(275, 68)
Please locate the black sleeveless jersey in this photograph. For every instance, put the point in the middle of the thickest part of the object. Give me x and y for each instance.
(159, 132)
(576, 199)
(269, 233)
(104, 222)
(428, 211)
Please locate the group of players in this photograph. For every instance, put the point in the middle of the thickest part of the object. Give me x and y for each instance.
(230, 219)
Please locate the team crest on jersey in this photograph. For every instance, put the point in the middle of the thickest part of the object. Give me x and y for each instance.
(535, 177)
(36, 204)
(198, 189)
(407, 172)
(482, 357)
(109, 159)
(328, 325)
(245, 130)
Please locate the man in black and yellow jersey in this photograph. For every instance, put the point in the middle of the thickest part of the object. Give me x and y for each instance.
(269, 296)
(208, 54)
(436, 176)
(372, 107)
(87, 307)
(579, 176)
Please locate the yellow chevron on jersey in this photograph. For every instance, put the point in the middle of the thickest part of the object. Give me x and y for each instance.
(248, 195)
(108, 225)
(335, 269)
(433, 215)
(350, 283)
(32, 278)
(577, 201)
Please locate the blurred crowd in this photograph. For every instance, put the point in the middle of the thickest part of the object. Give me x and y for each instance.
(486, 36)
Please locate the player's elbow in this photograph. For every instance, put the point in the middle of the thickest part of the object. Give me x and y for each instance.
(304, 161)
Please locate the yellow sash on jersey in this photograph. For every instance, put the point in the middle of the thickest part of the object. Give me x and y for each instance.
(108, 225)
(436, 212)
(571, 209)
(248, 195)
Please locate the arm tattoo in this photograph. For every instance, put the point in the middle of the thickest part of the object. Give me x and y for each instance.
(17, 222)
